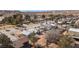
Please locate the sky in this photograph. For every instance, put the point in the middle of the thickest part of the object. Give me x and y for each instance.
(33, 10)
(39, 4)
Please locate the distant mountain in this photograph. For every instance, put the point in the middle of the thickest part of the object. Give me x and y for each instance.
(39, 12)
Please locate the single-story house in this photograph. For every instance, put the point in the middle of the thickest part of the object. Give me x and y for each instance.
(74, 32)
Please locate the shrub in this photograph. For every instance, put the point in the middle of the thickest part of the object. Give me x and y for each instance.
(65, 42)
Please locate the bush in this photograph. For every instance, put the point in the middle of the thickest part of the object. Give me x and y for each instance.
(5, 41)
(32, 38)
(65, 42)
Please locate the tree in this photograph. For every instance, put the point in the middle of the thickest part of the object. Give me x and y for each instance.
(33, 39)
(35, 17)
(65, 42)
(43, 16)
(27, 17)
(18, 18)
(53, 36)
(14, 20)
(5, 41)
(52, 16)
(5, 20)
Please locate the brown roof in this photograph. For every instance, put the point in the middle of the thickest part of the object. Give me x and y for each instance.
(20, 42)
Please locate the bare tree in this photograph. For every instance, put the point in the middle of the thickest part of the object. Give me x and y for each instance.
(53, 35)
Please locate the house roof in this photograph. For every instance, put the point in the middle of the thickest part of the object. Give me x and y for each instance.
(20, 42)
(74, 29)
(26, 32)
